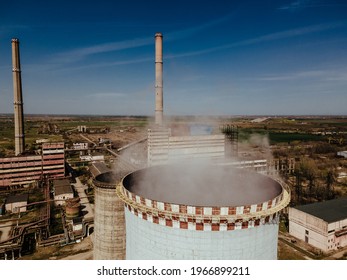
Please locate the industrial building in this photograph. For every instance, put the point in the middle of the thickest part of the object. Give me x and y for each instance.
(322, 225)
(164, 212)
(62, 191)
(164, 148)
(27, 169)
(17, 203)
(92, 158)
(80, 146)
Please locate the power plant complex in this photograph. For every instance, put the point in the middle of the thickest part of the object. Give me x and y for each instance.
(189, 201)
(24, 169)
(177, 208)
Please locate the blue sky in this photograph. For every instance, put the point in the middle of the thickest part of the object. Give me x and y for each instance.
(220, 57)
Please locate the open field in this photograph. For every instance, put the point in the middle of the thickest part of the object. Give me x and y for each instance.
(64, 128)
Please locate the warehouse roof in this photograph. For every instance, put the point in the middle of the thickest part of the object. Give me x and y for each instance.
(59, 190)
(98, 168)
(61, 182)
(17, 198)
(62, 186)
(329, 211)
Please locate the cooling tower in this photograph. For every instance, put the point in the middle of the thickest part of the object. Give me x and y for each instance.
(18, 99)
(205, 212)
(109, 232)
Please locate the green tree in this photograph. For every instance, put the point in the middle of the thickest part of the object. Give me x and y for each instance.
(330, 179)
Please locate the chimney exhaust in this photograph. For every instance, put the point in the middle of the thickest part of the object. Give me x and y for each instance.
(158, 79)
(18, 100)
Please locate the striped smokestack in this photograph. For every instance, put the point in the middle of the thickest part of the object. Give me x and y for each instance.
(158, 79)
(18, 99)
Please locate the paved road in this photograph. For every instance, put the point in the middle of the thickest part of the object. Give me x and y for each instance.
(301, 247)
(88, 209)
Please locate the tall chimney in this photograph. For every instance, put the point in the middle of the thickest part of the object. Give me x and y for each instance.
(18, 99)
(158, 79)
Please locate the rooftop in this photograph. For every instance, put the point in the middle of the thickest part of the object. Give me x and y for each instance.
(329, 211)
(77, 220)
(17, 198)
(98, 168)
(61, 182)
(64, 189)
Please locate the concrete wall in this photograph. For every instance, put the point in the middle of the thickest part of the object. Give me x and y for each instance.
(317, 232)
(109, 231)
(60, 199)
(338, 225)
(164, 148)
(151, 241)
(16, 207)
(341, 241)
(308, 228)
(337, 234)
(200, 146)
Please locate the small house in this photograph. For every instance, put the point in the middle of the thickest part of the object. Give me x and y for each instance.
(62, 191)
(17, 203)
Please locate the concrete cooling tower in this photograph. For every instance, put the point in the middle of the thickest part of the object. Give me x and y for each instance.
(204, 212)
(109, 234)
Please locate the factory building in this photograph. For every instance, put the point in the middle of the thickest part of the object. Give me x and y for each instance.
(92, 158)
(53, 159)
(27, 169)
(24, 169)
(164, 148)
(17, 203)
(62, 191)
(80, 146)
(184, 211)
(322, 225)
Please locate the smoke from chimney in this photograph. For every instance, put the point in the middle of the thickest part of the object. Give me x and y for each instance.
(158, 79)
(18, 100)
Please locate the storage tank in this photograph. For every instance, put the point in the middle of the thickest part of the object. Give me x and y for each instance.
(72, 207)
(109, 232)
(201, 212)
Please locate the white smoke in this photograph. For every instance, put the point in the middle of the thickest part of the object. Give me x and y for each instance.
(202, 185)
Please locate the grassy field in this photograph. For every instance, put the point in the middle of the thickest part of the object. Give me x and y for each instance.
(277, 129)
(34, 126)
(279, 137)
